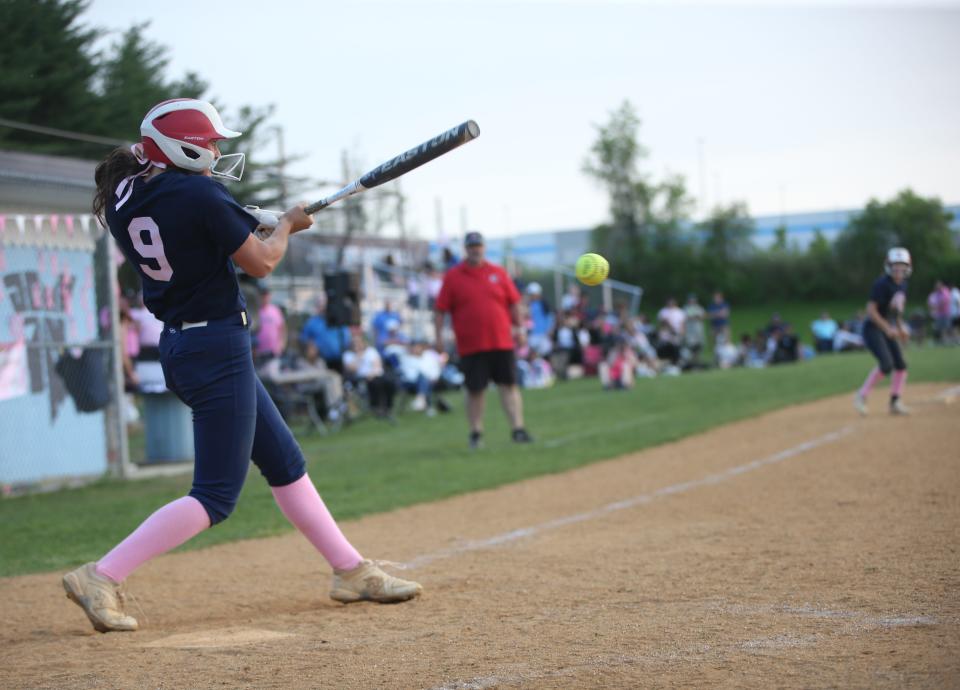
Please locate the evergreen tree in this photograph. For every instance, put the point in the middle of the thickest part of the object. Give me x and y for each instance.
(47, 72)
(133, 79)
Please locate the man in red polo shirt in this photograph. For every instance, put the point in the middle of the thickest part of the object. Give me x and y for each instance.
(484, 304)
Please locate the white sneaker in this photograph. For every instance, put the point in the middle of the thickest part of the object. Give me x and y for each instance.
(367, 582)
(419, 403)
(898, 408)
(860, 404)
(99, 597)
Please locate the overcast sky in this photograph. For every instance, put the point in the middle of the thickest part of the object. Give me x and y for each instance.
(794, 107)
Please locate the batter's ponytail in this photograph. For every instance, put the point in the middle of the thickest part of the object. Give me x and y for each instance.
(119, 164)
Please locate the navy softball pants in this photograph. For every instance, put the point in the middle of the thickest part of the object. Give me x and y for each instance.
(210, 368)
(886, 350)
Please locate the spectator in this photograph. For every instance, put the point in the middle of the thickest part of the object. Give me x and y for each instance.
(847, 337)
(670, 331)
(787, 345)
(939, 305)
(449, 259)
(434, 280)
(483, 302)
(726, 354)
(381, 322)
(273, 327)
(955, 308)
(148, 329)
(617, 371)
(641, 344)
(857, 322)
(572, 300)
(693, 337)
(363, 364)
(130, 348)
(533, 368)
(719, 314)
(419, 372)
(776, 324)
(331, 341)
(758, 352)
(146, 362)
(567, 350)
(541, 320)
(303, 376)
(824, 330)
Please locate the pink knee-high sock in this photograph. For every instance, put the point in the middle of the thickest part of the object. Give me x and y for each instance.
(896, 383)
(871, 381)
(166, 529)
(303, 507)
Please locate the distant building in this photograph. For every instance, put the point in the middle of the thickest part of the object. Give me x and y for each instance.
(562, 247)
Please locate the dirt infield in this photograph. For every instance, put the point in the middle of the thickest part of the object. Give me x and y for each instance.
(803, 548)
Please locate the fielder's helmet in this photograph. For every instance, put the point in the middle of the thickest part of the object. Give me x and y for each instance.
(897, 255)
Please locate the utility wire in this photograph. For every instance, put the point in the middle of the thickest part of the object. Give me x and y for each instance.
(65, 134)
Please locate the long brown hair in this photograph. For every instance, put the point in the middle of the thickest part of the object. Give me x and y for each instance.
(118, 164)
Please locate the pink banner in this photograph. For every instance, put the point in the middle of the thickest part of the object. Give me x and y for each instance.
(13, 370)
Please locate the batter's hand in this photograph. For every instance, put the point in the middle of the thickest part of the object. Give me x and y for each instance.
(298, 219)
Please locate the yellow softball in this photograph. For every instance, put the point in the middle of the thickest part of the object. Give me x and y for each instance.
(591, 269)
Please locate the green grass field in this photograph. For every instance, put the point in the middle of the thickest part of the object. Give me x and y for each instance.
(372, 466)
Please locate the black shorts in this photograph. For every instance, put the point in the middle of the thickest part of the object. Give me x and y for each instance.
(886, 350)
(499, 366)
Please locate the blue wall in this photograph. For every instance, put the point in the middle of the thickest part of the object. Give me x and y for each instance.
(46, 296)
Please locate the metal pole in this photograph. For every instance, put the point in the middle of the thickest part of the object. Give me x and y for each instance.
(117, 442)
(557, 289)
(282, 168)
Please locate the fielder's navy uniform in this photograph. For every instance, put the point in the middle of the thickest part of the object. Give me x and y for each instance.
(890, 299)
(179, 231)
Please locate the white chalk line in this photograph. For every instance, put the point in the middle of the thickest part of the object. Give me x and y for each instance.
(633, 502)
(862, 622)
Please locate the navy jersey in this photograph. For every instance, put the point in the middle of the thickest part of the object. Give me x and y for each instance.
(179, 231)
(888, 296)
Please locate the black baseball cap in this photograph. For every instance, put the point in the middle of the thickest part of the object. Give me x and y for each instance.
(472, 238)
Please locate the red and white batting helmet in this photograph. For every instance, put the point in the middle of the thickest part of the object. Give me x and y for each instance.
(897, 255)
(178, 132)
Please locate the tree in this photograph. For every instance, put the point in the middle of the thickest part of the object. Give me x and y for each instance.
(917, 223)
(779, 239)
(47, 71)
(727, 235)
(133, 79)
(643, 238)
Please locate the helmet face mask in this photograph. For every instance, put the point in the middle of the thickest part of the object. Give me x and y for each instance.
(181, 132)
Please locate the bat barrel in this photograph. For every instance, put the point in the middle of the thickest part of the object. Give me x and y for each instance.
(405, 162)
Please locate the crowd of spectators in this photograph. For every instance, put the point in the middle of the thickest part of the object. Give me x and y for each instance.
(328, 366)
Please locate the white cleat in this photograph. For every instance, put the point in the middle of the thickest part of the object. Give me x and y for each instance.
(100, 598)
(898, 408)
(860, 404)
(367, 582)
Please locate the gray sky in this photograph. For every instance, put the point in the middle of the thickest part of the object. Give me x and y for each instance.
(798, 107)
